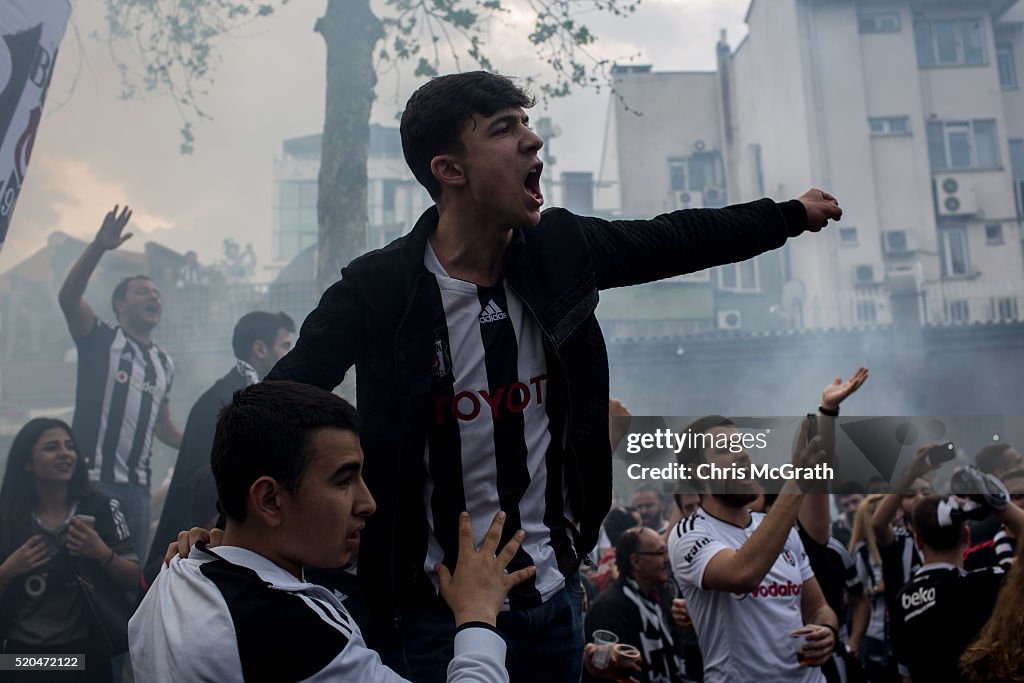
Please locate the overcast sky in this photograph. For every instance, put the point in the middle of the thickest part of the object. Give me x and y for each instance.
(95, 149)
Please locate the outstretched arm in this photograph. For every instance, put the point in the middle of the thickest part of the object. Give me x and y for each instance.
(814, 513)
(629, 252)
(890, 505)
(79, 315)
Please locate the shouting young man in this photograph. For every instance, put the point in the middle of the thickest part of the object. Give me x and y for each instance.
(482, 372)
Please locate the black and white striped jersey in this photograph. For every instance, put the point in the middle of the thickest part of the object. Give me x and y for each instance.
(122, 383)
(230, 614)
(488, 446)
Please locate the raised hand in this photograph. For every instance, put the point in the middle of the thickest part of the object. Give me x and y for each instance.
(820, 206)
(109, 235)
(836, 392)
(478, 588)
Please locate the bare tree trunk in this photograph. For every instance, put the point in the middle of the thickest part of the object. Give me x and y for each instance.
(350, 31)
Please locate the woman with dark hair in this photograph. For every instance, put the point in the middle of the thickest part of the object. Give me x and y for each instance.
(66, 559)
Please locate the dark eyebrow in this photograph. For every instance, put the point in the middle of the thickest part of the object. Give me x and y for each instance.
(346, 469)
(510, 118)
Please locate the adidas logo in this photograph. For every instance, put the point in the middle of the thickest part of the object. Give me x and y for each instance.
(492, 313)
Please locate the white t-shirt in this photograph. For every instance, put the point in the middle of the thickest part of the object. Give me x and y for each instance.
(742, 637)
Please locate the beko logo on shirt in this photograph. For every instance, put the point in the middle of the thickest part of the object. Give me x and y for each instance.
(919, 597)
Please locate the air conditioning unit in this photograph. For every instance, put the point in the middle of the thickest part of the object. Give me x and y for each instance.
(865, 274)
(898, 242)
(690, 200)
(955, 196)
(729, 319)
(714, 196)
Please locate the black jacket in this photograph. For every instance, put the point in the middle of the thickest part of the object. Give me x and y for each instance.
(180, 507)
(378, 318)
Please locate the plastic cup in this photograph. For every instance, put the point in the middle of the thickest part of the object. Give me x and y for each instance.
(625, 657)
(798, 640)
(605, 641)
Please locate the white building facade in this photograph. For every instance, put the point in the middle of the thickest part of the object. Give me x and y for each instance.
(910, 112)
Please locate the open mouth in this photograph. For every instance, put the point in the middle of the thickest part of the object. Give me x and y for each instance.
(353, 538)
(152, 307)
(532, 183)
(63, 466)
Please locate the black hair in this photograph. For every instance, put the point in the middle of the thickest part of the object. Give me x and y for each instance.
(121, 291)
(693, 452)
(266, 431)
(439, 111)
(925, 518)
(18, 492)
(625, 547)
(258, 326)
(618, 520)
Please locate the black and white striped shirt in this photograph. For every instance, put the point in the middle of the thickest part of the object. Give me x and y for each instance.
(122, 383)
(488, 445)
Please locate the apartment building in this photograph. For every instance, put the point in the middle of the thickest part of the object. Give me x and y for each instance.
(909, 111)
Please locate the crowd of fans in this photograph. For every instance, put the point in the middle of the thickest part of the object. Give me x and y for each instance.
(482, 389)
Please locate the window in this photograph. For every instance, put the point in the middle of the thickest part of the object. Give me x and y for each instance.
(739, 277)
(879, 22)
(864, 274)
(1017, 158)
(958, 311)
(955, 262)
(895, 242)
(889, 125)
(389, 189)
(1004, 309)
(950, 42)
(956, 145)
(1007, 67)
(994, 233)
(867, 311)
(705, 171)
(848, 237)
(297, 225)
(696, 173)
(677, 174)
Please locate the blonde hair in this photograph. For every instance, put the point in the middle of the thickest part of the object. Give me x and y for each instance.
(997, 654)
(862, 530)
